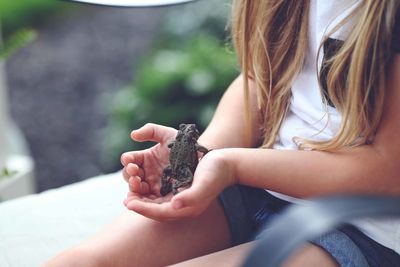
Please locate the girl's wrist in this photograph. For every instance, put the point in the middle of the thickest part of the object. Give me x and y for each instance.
(225, 161)
(230, 159)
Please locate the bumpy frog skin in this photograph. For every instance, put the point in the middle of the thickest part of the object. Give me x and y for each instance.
(183, 159)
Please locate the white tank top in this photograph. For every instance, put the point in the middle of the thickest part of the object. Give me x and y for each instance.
(310, 118)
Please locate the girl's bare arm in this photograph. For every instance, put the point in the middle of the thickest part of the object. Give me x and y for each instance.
(370, 169)
(227, 128)
(373, 168)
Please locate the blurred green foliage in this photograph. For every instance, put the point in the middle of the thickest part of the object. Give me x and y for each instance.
(15, 14)
(16, 41)
(180, 81)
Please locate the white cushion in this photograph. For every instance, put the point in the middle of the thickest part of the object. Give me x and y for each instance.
(36, 227)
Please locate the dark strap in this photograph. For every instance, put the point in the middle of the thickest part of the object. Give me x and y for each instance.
(300, 223)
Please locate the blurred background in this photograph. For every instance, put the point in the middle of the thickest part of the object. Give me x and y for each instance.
(75, 79)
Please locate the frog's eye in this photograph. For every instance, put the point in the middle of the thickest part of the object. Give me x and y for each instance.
(182, 126)
(179, 135)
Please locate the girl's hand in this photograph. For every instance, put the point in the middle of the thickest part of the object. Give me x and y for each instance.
(143, 169)
(213, 174)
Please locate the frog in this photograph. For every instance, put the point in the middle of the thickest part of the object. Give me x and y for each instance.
(183, 159)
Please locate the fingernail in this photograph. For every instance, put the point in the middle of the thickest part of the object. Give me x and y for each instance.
(178, 204)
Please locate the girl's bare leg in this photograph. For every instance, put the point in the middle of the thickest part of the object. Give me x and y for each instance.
(230, 257)
(133, 240)
(309, 256)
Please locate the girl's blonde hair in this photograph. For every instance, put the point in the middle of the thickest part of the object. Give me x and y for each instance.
(271, 39)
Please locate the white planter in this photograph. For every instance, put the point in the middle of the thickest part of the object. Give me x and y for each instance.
(20, 183)
(14, 153)
(4, 148)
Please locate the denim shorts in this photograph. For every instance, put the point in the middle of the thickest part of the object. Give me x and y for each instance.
(249, 209)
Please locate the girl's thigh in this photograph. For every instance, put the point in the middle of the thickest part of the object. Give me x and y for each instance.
(308, 256)
(133, 240)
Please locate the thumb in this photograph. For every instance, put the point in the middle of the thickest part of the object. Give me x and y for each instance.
(153, 132)
(197, 194)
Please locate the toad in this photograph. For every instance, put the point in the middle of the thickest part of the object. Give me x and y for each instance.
(183, 159)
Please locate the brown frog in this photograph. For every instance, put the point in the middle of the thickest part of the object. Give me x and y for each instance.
(183, 159)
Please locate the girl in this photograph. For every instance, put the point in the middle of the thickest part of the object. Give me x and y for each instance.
(319, 115)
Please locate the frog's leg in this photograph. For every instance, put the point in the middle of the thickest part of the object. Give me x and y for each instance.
(166, 185)
(185, 178)
(201, 149)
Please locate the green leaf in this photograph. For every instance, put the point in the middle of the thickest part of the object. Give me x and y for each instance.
(5, 173)
(16, 41)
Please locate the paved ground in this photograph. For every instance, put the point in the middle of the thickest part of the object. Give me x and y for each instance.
(55, 84)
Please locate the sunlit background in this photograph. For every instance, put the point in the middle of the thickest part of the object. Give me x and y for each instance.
(78, 78)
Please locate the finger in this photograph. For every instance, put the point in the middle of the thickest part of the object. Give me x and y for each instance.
(125, 175)
(135, 196)
(128, 173)
(132, 194)
(149, 198)
(153, 132)
(136, 185)
(150, 210)
(156, 186)
(126, 158)
(136, 157)
(129, 197)
(144, 188)
(191, 196)
(156, 211)
(132, 169)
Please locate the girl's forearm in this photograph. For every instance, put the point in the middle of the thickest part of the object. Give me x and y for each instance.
(227, 127)
(306, 174)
